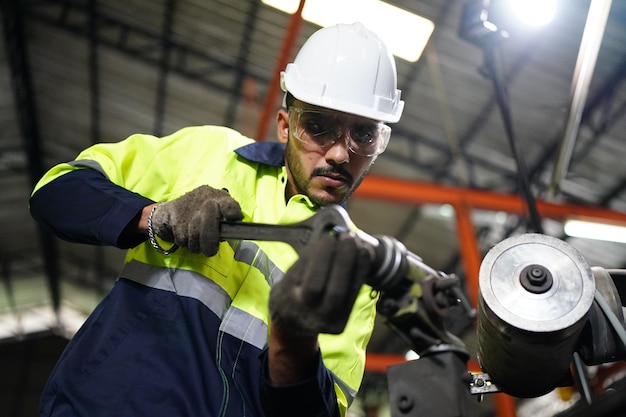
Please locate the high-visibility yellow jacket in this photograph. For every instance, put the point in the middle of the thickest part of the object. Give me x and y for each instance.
(185, 335)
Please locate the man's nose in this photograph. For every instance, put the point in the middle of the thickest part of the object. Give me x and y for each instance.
(339, 152)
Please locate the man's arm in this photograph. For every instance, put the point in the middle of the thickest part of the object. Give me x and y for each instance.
(315, 296)
(296, 378)
(291, 359)
(83, 206)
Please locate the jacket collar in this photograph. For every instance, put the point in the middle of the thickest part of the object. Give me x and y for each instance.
(269, 153)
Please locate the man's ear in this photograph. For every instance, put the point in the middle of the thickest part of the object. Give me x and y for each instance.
(282, 125)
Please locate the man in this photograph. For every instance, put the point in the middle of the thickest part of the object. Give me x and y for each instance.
(195, 326)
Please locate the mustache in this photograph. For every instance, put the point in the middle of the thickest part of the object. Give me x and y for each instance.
(332, 171)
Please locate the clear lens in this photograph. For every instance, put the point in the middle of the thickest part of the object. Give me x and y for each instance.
(323, 128)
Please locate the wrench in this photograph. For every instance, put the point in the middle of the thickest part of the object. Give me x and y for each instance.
(391, 259)
(328, 219)
(395, 269)
(390, 256)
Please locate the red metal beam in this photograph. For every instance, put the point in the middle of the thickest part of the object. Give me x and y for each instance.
(404, 191)
(468, 246)
(505, 405)
(378, 362)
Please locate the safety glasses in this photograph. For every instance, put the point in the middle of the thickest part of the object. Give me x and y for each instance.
(323, 128)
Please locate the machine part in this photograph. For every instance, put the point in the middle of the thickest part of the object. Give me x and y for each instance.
(433, 385)
(481, 383)
(601, 343)
(323, 73)
(619, 280)
(580, 378)
(610, 403)
(526, 338)
(536, 279)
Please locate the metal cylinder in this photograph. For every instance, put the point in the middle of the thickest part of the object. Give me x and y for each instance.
(534, 295)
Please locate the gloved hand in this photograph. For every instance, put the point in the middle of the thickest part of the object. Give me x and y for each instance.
(317, 293)
(192, 221)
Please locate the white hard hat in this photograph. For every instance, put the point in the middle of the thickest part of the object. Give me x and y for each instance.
(346, 68)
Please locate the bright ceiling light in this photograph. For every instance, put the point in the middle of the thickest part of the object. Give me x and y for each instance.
(405, 33)
(534, 12)
(446, 210)
(411, 355)
(594, 230)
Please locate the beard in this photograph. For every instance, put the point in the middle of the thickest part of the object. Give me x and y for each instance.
(302, 181)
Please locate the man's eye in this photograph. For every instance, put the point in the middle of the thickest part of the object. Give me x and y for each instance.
(363, 134)
(317, 126)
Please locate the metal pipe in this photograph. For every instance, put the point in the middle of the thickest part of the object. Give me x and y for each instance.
(164, 66)
(502, 98)
(585, 65)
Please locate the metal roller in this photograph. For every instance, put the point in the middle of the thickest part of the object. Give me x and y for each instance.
(534, 294)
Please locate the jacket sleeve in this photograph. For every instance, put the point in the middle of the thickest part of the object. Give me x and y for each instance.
(314, 397)
(83, 206)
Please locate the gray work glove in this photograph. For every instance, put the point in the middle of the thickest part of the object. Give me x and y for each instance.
(317, 293)
(192, 221)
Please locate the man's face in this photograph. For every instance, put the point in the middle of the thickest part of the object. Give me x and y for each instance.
(326, 170)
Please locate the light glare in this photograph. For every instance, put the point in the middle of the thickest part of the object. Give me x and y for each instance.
(597, 231)
(411, 355)
(405, 33)
(534, 12)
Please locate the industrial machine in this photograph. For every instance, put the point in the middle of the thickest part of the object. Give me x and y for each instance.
(542, 313)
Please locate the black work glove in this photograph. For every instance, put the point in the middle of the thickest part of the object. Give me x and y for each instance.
(192, 221)
(317, 293)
